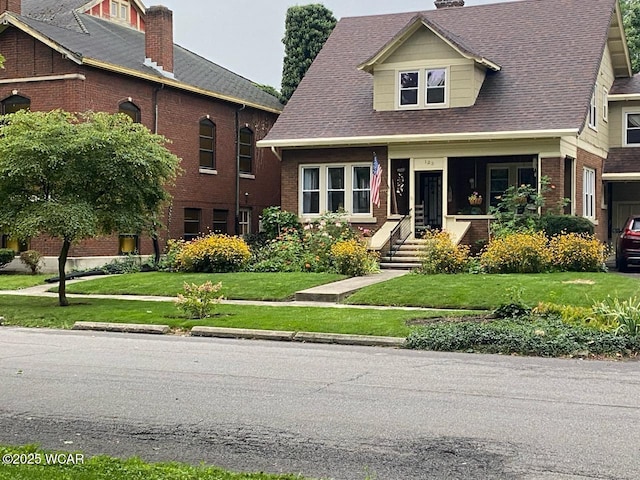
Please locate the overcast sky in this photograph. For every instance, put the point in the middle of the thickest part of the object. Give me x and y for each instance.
(245, 36)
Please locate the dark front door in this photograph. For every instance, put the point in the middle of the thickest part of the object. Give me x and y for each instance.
(429, 204)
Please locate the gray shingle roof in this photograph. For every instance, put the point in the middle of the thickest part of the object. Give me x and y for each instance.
(119, 45)
(549, 51)
(623, 160)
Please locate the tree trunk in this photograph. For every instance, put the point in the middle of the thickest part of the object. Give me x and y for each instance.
(62, 285)
(156, 250)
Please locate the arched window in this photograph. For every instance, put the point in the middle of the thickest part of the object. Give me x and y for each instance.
(15, 103)
(207, 144)
(131, 110)
(246, 150)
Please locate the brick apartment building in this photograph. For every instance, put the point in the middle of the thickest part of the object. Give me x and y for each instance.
(119, 56)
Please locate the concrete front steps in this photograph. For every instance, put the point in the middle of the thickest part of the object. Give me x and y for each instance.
(407, 257)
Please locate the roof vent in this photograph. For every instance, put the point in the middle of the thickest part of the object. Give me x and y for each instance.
(449, 3)
(13, 6)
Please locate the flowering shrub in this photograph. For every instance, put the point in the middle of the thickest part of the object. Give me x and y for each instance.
(441, 255)
(31, 258)
(276, 221)
(285, 253)
(213, 253)
(198, 301)
(575, 252)
(351, 257)
(517, 253)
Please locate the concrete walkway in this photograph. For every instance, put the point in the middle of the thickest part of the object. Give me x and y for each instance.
(337, 291)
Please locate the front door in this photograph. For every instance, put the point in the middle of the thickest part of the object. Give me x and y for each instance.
(428, 201)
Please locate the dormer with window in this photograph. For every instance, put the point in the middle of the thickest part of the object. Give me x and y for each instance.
(423, 68)
(125, 12)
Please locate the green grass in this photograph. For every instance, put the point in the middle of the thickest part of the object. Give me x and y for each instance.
(108, 468)
(44, 312)
(236, 286)
(16, 281)
(489, 291)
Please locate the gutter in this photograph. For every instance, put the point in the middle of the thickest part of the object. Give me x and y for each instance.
(417, 138)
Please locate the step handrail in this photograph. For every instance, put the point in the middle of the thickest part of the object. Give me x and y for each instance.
(399, 234)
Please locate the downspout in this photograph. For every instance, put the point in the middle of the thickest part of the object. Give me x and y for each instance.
(237, 219)
(154, 236)
(275, 152)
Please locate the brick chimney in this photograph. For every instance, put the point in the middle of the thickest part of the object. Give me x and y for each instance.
(449, 3)
(159, 37)
(13, 6)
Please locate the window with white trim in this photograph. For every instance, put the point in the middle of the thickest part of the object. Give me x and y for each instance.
(311, 191)
(120, 10)
(593, 109)
(361, 190)
(436, 89)
(589, 193)
(504, 175)
(330, 188)
(632, 128)
(409, 88)
(335, 189)
(605, 104)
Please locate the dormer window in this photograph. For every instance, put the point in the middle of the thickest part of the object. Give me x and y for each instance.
(423, 88)
(120, 10)
(436, 87)
(409, 82)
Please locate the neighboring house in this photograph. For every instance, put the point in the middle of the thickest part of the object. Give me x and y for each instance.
(466, 99)
(115, 55)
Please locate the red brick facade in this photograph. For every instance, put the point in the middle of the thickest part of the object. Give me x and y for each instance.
(589, 160)
(179, 114)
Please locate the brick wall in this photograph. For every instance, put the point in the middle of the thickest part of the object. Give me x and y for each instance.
(589, 160)
(179, 114)
(554, 169)
(292, 159)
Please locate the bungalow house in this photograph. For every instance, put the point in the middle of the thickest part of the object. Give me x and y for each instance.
(465, 99)
(119, 56)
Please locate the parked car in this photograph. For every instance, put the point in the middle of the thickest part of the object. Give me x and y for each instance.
(628, 247)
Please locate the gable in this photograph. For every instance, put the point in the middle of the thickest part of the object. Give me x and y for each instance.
(422, 52)
(124, 12)
(423, 45)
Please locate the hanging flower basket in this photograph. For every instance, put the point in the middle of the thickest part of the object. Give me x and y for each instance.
(475, 199)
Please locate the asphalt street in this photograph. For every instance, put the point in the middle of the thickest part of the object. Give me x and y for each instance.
(321, 410)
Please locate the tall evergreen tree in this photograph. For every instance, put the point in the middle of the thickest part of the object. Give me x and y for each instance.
(631, 18)
(307, 28)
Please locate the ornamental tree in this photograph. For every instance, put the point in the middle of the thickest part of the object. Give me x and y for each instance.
(307, 28)
(78, 176)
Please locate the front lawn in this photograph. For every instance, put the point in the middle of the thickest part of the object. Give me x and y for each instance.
(17, 281)
(33, 463)
(235, 286)
(44, 312)
(490, 291)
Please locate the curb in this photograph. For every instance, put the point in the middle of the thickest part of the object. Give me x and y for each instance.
(242, 333)
(121, 327)
(249, 334)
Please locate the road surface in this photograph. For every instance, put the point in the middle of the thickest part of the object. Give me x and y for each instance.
(321, 410)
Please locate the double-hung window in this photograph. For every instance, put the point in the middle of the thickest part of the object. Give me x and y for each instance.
(436, 93)
(207, 145)
(605, 104)
(311, 190)
(333, 188)
(120, 10)
(589, 195)
(632, 129)
(409, 88)
(361, 190)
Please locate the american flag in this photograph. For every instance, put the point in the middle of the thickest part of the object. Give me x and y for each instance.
(376, 180)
